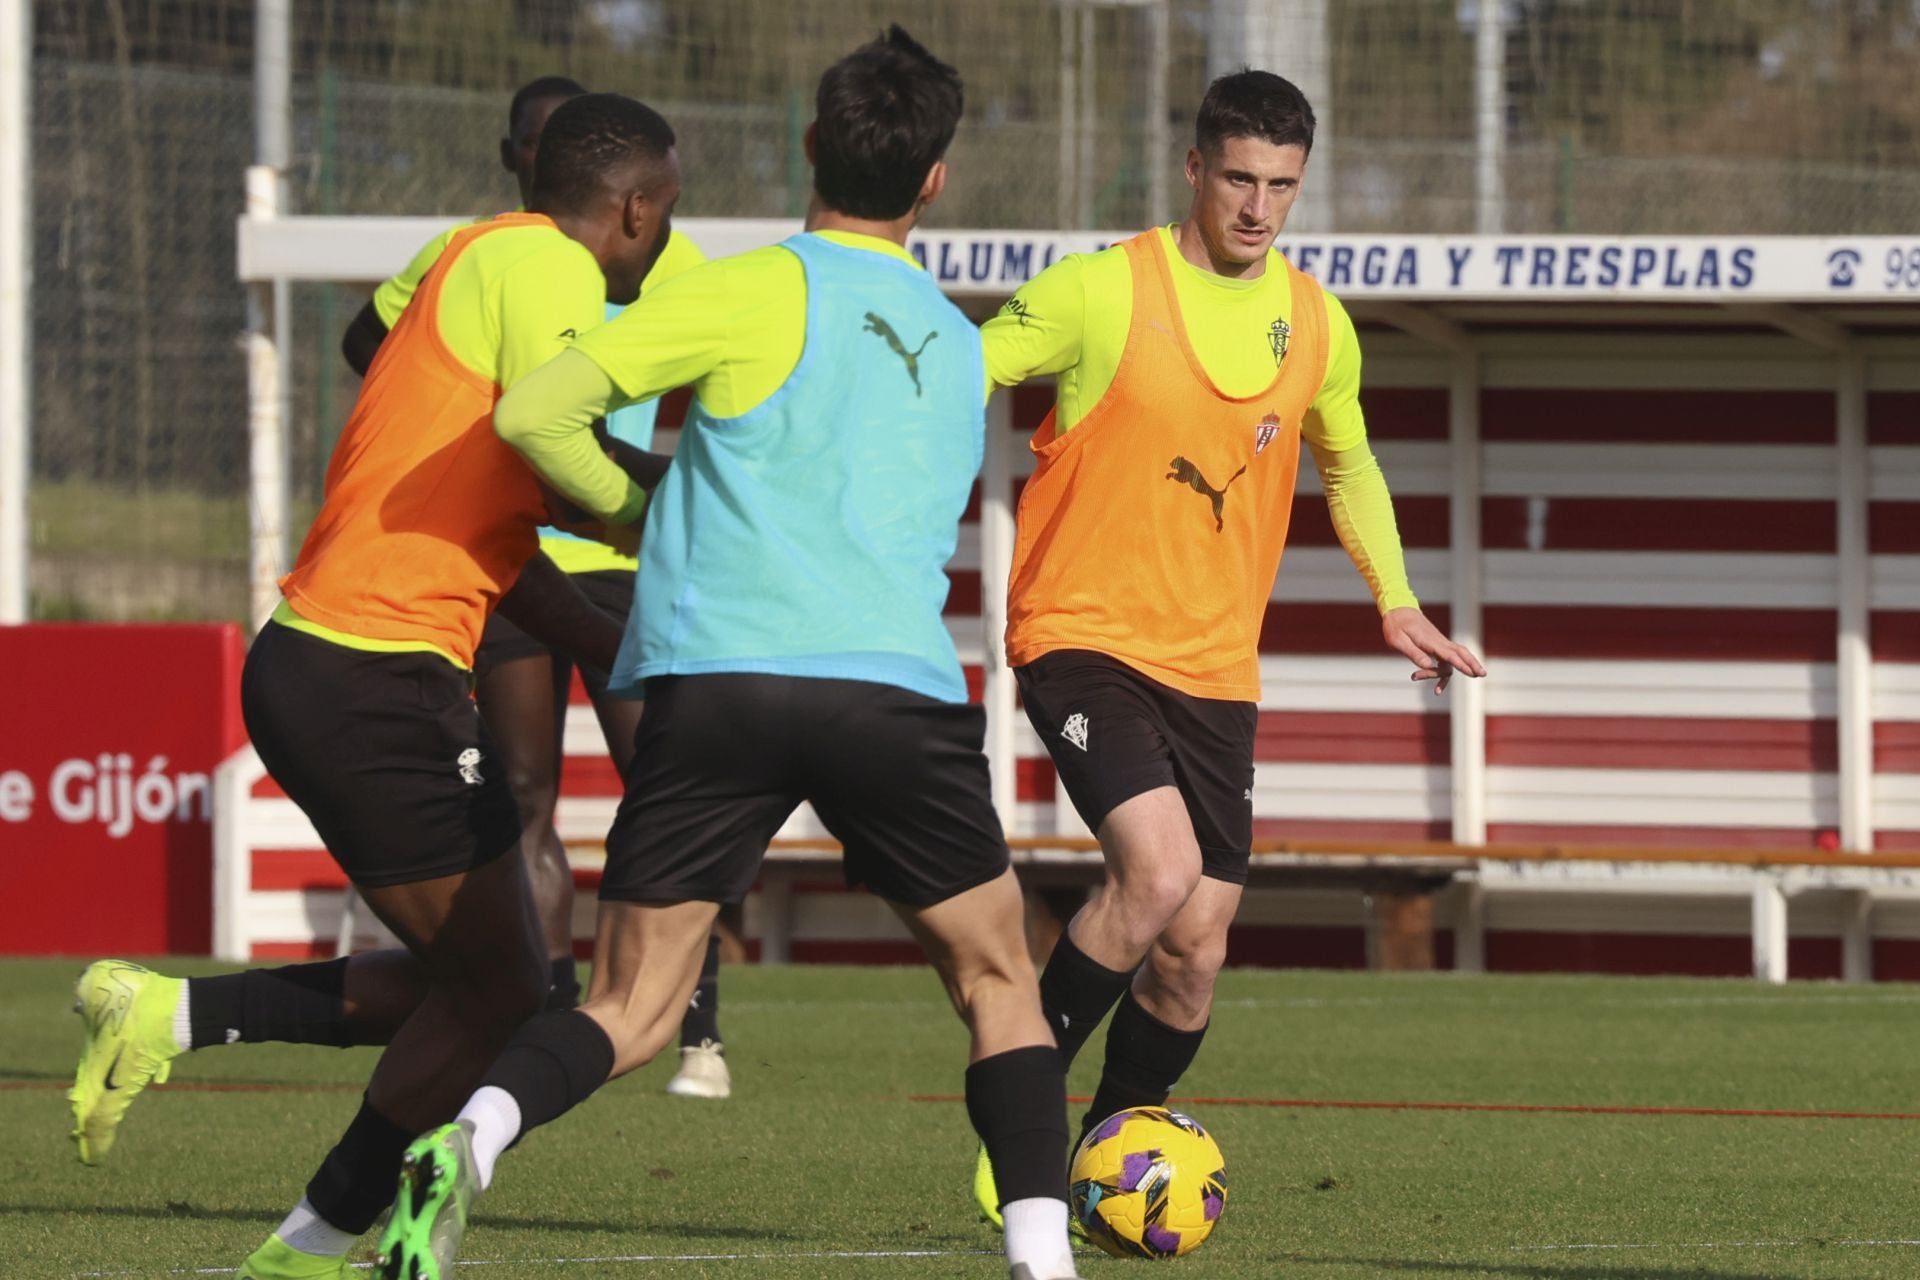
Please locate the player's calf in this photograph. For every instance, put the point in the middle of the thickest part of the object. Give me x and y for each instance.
(1016, 1086)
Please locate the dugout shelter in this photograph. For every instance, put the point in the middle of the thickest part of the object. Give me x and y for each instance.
(1669, 486)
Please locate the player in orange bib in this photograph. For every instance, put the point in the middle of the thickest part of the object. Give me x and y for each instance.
(357, 695)
(1193, 360)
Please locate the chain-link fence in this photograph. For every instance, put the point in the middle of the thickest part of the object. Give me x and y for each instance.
(1622, 116)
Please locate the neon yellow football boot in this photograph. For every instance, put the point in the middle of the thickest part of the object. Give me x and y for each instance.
(986, 1193)
(438, 1183)
(128, 1015)
(278, 1260)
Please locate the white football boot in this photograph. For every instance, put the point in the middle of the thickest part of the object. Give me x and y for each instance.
(703, 1072)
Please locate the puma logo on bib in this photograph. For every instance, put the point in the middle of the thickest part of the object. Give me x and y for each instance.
(875, 324)
(1189, 475)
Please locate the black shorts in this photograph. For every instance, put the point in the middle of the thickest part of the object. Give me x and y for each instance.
(723, 760)
(384, 752)
(1115, 733)
(503, 641)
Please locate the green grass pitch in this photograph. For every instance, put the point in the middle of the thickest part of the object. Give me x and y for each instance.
(822, 1153)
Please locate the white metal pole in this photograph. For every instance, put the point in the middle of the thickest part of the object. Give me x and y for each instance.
(1769, 928)
(1469, 755)
(1489, 115)
(16, 294)
(1855, 653)
(268, 310)
(996, 565)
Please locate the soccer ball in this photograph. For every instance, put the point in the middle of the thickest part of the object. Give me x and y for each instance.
(1148, 1183)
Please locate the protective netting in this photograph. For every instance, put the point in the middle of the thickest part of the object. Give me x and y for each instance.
(1622, 116)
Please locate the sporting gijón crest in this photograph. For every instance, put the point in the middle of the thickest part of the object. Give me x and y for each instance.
(1264, 432)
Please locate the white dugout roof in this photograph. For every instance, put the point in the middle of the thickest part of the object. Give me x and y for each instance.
(1817, 272)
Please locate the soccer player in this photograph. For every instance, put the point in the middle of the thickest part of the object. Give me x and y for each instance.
(521, 684)
(789, 638)
(356, 694)
(1192, 362)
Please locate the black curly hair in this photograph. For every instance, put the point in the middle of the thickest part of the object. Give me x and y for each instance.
(588, 137)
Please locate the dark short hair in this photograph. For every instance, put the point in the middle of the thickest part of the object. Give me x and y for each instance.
(885, 115)
(588, 137)
(538, 91)
(1254, 104)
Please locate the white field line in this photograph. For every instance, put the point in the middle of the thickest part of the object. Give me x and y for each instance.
(618, 1259)
(1718, 1244)
(1424, 998)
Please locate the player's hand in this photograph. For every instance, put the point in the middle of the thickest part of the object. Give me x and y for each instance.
(1436, 658)
(624, 538)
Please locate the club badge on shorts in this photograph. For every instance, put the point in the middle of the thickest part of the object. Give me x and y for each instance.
(1075, 730)
(1264, 432)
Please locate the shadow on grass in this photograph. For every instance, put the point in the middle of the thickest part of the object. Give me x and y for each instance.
(1529, 1270)
(183, 1210)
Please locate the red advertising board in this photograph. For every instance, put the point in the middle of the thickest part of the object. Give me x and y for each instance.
(109, 738)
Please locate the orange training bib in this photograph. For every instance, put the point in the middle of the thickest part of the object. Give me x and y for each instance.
(429, 516)
(1152, 531)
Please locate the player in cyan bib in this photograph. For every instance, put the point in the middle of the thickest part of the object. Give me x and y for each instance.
(789, 637)
(1193, 360)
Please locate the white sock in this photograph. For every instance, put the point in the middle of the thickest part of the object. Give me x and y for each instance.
(1037, 1237)
(182, 1022)
(308, 1232)
(495, 1118)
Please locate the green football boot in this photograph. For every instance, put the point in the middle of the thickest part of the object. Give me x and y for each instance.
(437, 1185)
(278, 1260)
(128, 1015)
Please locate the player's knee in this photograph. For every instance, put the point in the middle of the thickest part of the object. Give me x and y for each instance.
(984, 979)
(1154, 897)
(535, 794)
(1190, 960)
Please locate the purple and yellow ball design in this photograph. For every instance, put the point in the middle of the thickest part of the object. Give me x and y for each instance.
(1148, 1183)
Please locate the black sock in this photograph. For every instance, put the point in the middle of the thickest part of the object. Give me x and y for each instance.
(565, 991)
(1017, 1101)
(555, 1062)
(702, 1020)
(1145, 1059)
(297, 1004)
(1076, 993)
(357, 1180)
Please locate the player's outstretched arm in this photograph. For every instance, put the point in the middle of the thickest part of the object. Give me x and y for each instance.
(546, 604)
(362, 339)
(643, 468)
(1362, 512)
(1040, 329)
(547, 417)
